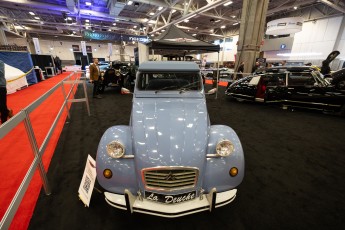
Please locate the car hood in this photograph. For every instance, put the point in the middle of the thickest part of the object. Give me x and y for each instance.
(169, 132)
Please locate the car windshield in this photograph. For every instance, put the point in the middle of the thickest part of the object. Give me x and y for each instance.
(159, 81)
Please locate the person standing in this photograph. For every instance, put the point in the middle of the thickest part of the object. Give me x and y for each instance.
(240, 71)
(5, 112)
(256, 67)
(95, 78)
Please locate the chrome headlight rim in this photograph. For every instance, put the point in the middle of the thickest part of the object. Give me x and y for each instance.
(112, 146)
(225, 143)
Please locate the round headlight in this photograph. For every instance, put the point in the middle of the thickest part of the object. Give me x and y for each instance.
(224, 148)
(115, 149)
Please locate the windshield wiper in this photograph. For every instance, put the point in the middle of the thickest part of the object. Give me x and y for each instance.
(167, 87)
(187, 87)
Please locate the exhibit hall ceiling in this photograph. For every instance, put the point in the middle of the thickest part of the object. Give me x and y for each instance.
(205, 19)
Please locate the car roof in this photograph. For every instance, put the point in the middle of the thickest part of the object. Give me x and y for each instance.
(168, 66)
(291, 69)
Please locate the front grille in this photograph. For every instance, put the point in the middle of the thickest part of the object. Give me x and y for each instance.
(171, 178)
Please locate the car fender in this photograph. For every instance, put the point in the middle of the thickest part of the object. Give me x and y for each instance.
(217, 168)
(123, 169)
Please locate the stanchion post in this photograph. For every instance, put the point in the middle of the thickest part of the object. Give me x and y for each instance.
(86, 98)
(65, 99)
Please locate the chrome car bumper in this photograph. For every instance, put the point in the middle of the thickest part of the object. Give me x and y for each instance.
(133, 203)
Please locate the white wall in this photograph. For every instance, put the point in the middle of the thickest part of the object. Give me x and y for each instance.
(316, 37)
(341, 46)
(63, 49)
(228, 55)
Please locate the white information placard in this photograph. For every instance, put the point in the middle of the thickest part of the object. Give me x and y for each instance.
(88, 181)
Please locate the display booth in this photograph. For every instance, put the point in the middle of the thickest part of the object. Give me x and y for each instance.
(19, 70)
(43, 62)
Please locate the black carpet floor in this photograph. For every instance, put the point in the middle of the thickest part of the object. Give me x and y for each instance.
(294, 179)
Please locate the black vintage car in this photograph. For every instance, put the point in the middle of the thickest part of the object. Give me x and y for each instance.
(119, 75)
(291, 86)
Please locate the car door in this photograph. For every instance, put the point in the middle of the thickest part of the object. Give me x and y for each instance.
(244, 88)
(276, 87)
(305, 91)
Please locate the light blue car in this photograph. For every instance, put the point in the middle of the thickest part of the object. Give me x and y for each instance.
(169, 161)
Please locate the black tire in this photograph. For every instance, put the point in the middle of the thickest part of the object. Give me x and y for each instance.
(342, 110)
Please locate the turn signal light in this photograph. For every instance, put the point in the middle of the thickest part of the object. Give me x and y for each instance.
(107, 173)
(233, 171)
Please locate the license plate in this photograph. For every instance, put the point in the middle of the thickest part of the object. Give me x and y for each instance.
(170, 199)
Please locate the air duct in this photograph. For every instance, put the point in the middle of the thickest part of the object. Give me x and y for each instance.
(115, 7)
(71, 6)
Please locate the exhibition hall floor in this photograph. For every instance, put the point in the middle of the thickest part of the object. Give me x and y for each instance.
(294, 175)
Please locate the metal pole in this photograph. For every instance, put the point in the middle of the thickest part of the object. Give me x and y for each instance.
(35, 149)
(86, 98)
(217, 75)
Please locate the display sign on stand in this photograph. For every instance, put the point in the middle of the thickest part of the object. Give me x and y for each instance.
(88, 181)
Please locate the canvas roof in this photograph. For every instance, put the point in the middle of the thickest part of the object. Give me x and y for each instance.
(175, 41)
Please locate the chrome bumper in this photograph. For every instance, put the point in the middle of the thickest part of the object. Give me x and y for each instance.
(132, 203)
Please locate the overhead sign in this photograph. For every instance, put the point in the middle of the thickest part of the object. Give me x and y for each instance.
(285, 26)
(282, 46)
(109, 36)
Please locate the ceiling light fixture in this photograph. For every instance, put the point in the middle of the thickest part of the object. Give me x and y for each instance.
(193, 34)
(32, 13)
(222, 27)
(129, 3)
(114, 24)
(87, 20)
(235, 23)
(295, 7)
(173, 11)
(228, 3)
(37, 18)
(88, 3)
(152, 13)
(160, 8)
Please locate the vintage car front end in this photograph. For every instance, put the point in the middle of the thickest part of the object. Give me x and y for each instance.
(169, 161)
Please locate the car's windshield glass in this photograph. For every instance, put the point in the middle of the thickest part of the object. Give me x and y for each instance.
(169, 81)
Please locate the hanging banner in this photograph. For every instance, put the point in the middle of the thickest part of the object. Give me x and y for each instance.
(107, 36)
(88, 181)
(110, 49)
(37, 45)
(83, 48)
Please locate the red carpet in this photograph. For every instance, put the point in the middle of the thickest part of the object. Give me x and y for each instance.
(16, 154)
